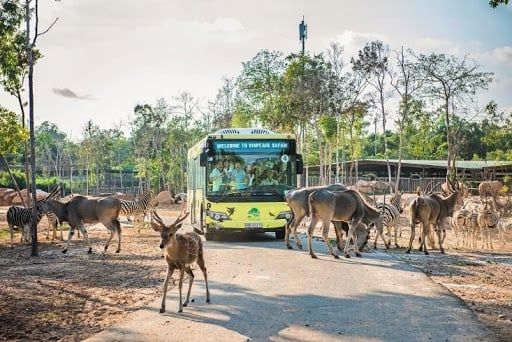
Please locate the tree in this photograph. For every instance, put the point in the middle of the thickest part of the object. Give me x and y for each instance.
(496, 3)
(372, 62)
(451, 80)
(11, 134)
(406, 81)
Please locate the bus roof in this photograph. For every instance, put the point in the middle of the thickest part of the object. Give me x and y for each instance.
(238, 133)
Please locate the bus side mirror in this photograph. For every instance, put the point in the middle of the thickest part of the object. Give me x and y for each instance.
(299, 164)
(203, 159)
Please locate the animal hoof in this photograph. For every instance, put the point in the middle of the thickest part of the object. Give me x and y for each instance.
(336, 256)
(162, 310)
(442, 251)
(118, 251)
(426, 253)
(208, 301)
(64, 251)
(180, 310)
(314, 256)
(408, 251)
(185, 304)
(347, 256)
(89, 251)
(300, 246)
(358, 254)
(289, 247)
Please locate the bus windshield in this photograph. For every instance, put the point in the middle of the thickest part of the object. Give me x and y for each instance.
(250, 168)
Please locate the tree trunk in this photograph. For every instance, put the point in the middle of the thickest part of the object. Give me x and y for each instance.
(29, 48)
(25, 144)
(383, 111)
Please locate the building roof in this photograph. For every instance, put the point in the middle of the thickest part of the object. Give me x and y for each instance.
(462, 164)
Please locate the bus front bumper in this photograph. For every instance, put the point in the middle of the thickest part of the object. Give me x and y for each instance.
(240, 226)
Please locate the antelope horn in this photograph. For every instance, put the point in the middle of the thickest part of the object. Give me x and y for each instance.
(157, 218)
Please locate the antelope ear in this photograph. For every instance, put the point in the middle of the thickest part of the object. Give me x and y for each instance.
(156, 227)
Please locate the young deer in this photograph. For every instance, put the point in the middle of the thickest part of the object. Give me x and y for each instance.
(180, 250)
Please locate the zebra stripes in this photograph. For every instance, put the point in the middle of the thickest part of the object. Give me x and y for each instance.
(22, 217)
(139, 206)
(391, 213)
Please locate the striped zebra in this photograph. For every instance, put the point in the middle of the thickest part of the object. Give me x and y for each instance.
(391, 212)
(139, 206)
(22, 217)
(489, 221)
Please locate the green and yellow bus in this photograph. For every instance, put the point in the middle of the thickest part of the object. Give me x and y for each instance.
(237, 179)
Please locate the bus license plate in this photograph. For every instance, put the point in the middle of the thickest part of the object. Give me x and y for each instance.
(254, 225)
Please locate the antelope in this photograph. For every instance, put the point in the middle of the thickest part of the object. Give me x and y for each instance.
(180, 250)
(81, 210)
(298, 202)
(431, 211)
(348, 206)
(489, 189)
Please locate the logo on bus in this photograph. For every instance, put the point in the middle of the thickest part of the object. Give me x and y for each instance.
(254, 213)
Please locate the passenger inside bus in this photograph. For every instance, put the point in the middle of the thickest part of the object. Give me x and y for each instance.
(239, 177)
(217, 176)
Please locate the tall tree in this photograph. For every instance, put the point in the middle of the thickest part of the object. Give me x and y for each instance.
(450, 80)
(407, 81)
(373, 62)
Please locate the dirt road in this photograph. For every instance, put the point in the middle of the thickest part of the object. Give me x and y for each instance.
(261, 291)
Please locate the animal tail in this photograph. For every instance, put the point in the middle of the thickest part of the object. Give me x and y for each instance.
(311, 199)
(418, 191)
(413, 218)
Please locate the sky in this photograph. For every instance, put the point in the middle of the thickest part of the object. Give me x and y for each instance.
(103, 57)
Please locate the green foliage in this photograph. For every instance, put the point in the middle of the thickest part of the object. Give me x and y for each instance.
(11, 132)
(496, 3)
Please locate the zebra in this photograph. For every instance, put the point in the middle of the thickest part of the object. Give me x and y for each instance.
(22, 217)
(139, 206)
(488, 220)
(391, 212)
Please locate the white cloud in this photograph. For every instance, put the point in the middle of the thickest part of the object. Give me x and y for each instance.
(225, 25)
(503, 54)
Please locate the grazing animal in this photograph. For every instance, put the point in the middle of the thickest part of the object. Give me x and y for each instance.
(298, 201)
(56, 217)
(348, 206)
(139, 206)
(391, 212)
(106, 210)
(22, 217)
(181, 250)
(431, 211)
(488, 189)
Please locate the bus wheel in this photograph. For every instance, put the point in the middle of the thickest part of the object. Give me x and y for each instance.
(280, 234)
(209, 236)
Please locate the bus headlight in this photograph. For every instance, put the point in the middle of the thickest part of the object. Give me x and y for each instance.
(217, 215)
(284, 215)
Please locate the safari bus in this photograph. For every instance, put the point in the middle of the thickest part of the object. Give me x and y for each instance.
(237, 179)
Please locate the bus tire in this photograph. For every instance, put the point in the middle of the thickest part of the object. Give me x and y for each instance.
(280, 234)
(209, 236)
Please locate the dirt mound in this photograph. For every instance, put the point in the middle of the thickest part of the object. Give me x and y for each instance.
(15, 199)
(165, 198)
(6, 196)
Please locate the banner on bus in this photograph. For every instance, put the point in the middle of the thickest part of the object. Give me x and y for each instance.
(251, 146)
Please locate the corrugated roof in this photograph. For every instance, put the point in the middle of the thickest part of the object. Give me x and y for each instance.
(463, 164)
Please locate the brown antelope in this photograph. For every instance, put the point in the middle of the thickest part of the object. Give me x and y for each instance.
(348, 206)
(488, 189)
(180, 250)
(431, 211)
(298, 202)
(81, 210)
